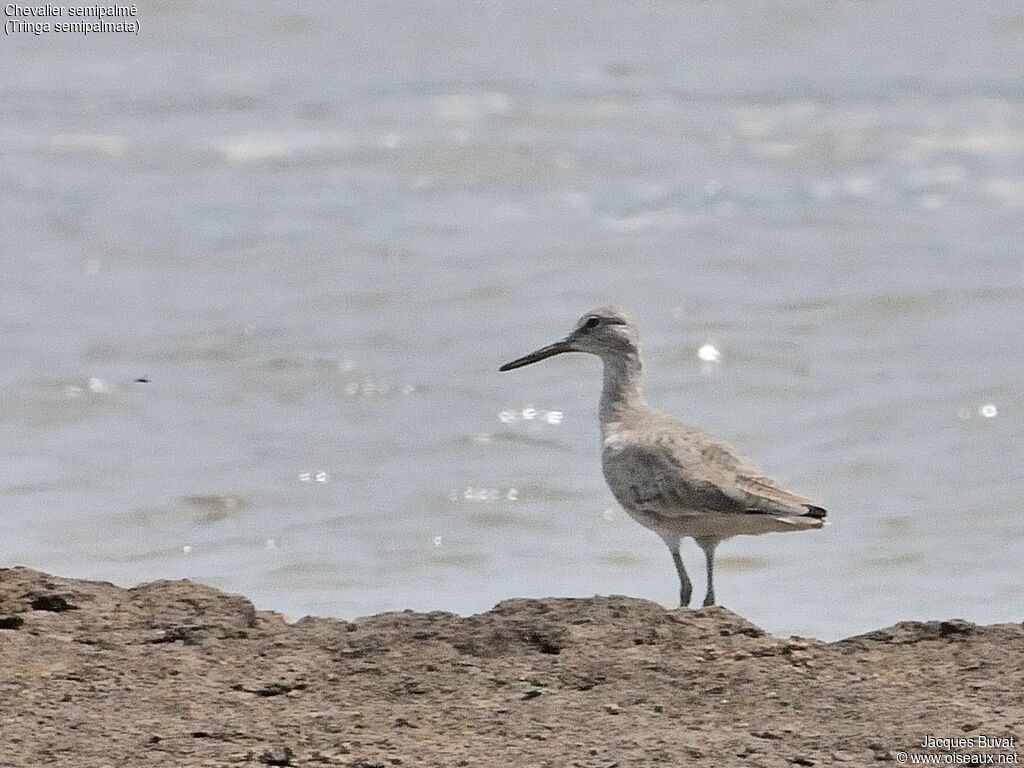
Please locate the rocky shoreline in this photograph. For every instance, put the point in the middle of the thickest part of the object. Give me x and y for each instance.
(180, 674)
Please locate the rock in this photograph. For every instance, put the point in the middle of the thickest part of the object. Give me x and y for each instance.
(177, 673)
(280, 756)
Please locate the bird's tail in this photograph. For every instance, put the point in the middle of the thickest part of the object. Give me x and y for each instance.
(814, 517)
(818, 513)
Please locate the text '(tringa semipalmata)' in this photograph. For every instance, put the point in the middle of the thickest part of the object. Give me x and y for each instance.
(675, 479)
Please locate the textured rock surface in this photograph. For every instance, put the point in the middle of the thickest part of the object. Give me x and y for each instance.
(175, 673)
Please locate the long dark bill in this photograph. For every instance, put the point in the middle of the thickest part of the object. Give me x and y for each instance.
(534, 357)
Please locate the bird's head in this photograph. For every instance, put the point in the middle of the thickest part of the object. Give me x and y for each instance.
(607, 332)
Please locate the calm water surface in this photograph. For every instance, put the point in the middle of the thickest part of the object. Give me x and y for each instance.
(318, 232)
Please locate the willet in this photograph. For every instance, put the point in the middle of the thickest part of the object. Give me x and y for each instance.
(675, 479)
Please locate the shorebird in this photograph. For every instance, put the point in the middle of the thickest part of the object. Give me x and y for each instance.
(675, 479)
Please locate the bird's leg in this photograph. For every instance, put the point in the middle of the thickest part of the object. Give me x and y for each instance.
(708, 545)
(685, 587)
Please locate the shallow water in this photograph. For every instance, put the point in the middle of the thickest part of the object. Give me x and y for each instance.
(318, 233)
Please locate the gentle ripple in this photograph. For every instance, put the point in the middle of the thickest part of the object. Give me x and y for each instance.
(318, 249)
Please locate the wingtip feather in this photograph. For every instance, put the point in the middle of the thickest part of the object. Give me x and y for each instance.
(818, 513)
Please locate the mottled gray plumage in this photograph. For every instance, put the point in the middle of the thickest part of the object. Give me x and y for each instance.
(675, 479)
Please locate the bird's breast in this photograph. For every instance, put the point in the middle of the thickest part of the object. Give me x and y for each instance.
(612, 438)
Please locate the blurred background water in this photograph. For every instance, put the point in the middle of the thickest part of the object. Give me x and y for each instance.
(317, 231)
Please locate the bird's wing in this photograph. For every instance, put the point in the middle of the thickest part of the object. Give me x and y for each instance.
(675, 473)
(765, 495)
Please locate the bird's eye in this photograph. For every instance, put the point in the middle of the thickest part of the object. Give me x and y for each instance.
(592, 322)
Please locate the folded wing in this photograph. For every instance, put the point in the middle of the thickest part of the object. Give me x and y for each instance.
(685, 471)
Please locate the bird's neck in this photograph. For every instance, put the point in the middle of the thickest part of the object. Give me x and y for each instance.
(621, 390)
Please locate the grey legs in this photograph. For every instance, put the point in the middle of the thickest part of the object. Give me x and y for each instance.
(708, 545)
(685, 587)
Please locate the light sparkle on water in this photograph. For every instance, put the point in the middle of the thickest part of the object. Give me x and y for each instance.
(986, 410)
(709, 353)
(474, 493)
(529, 413)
